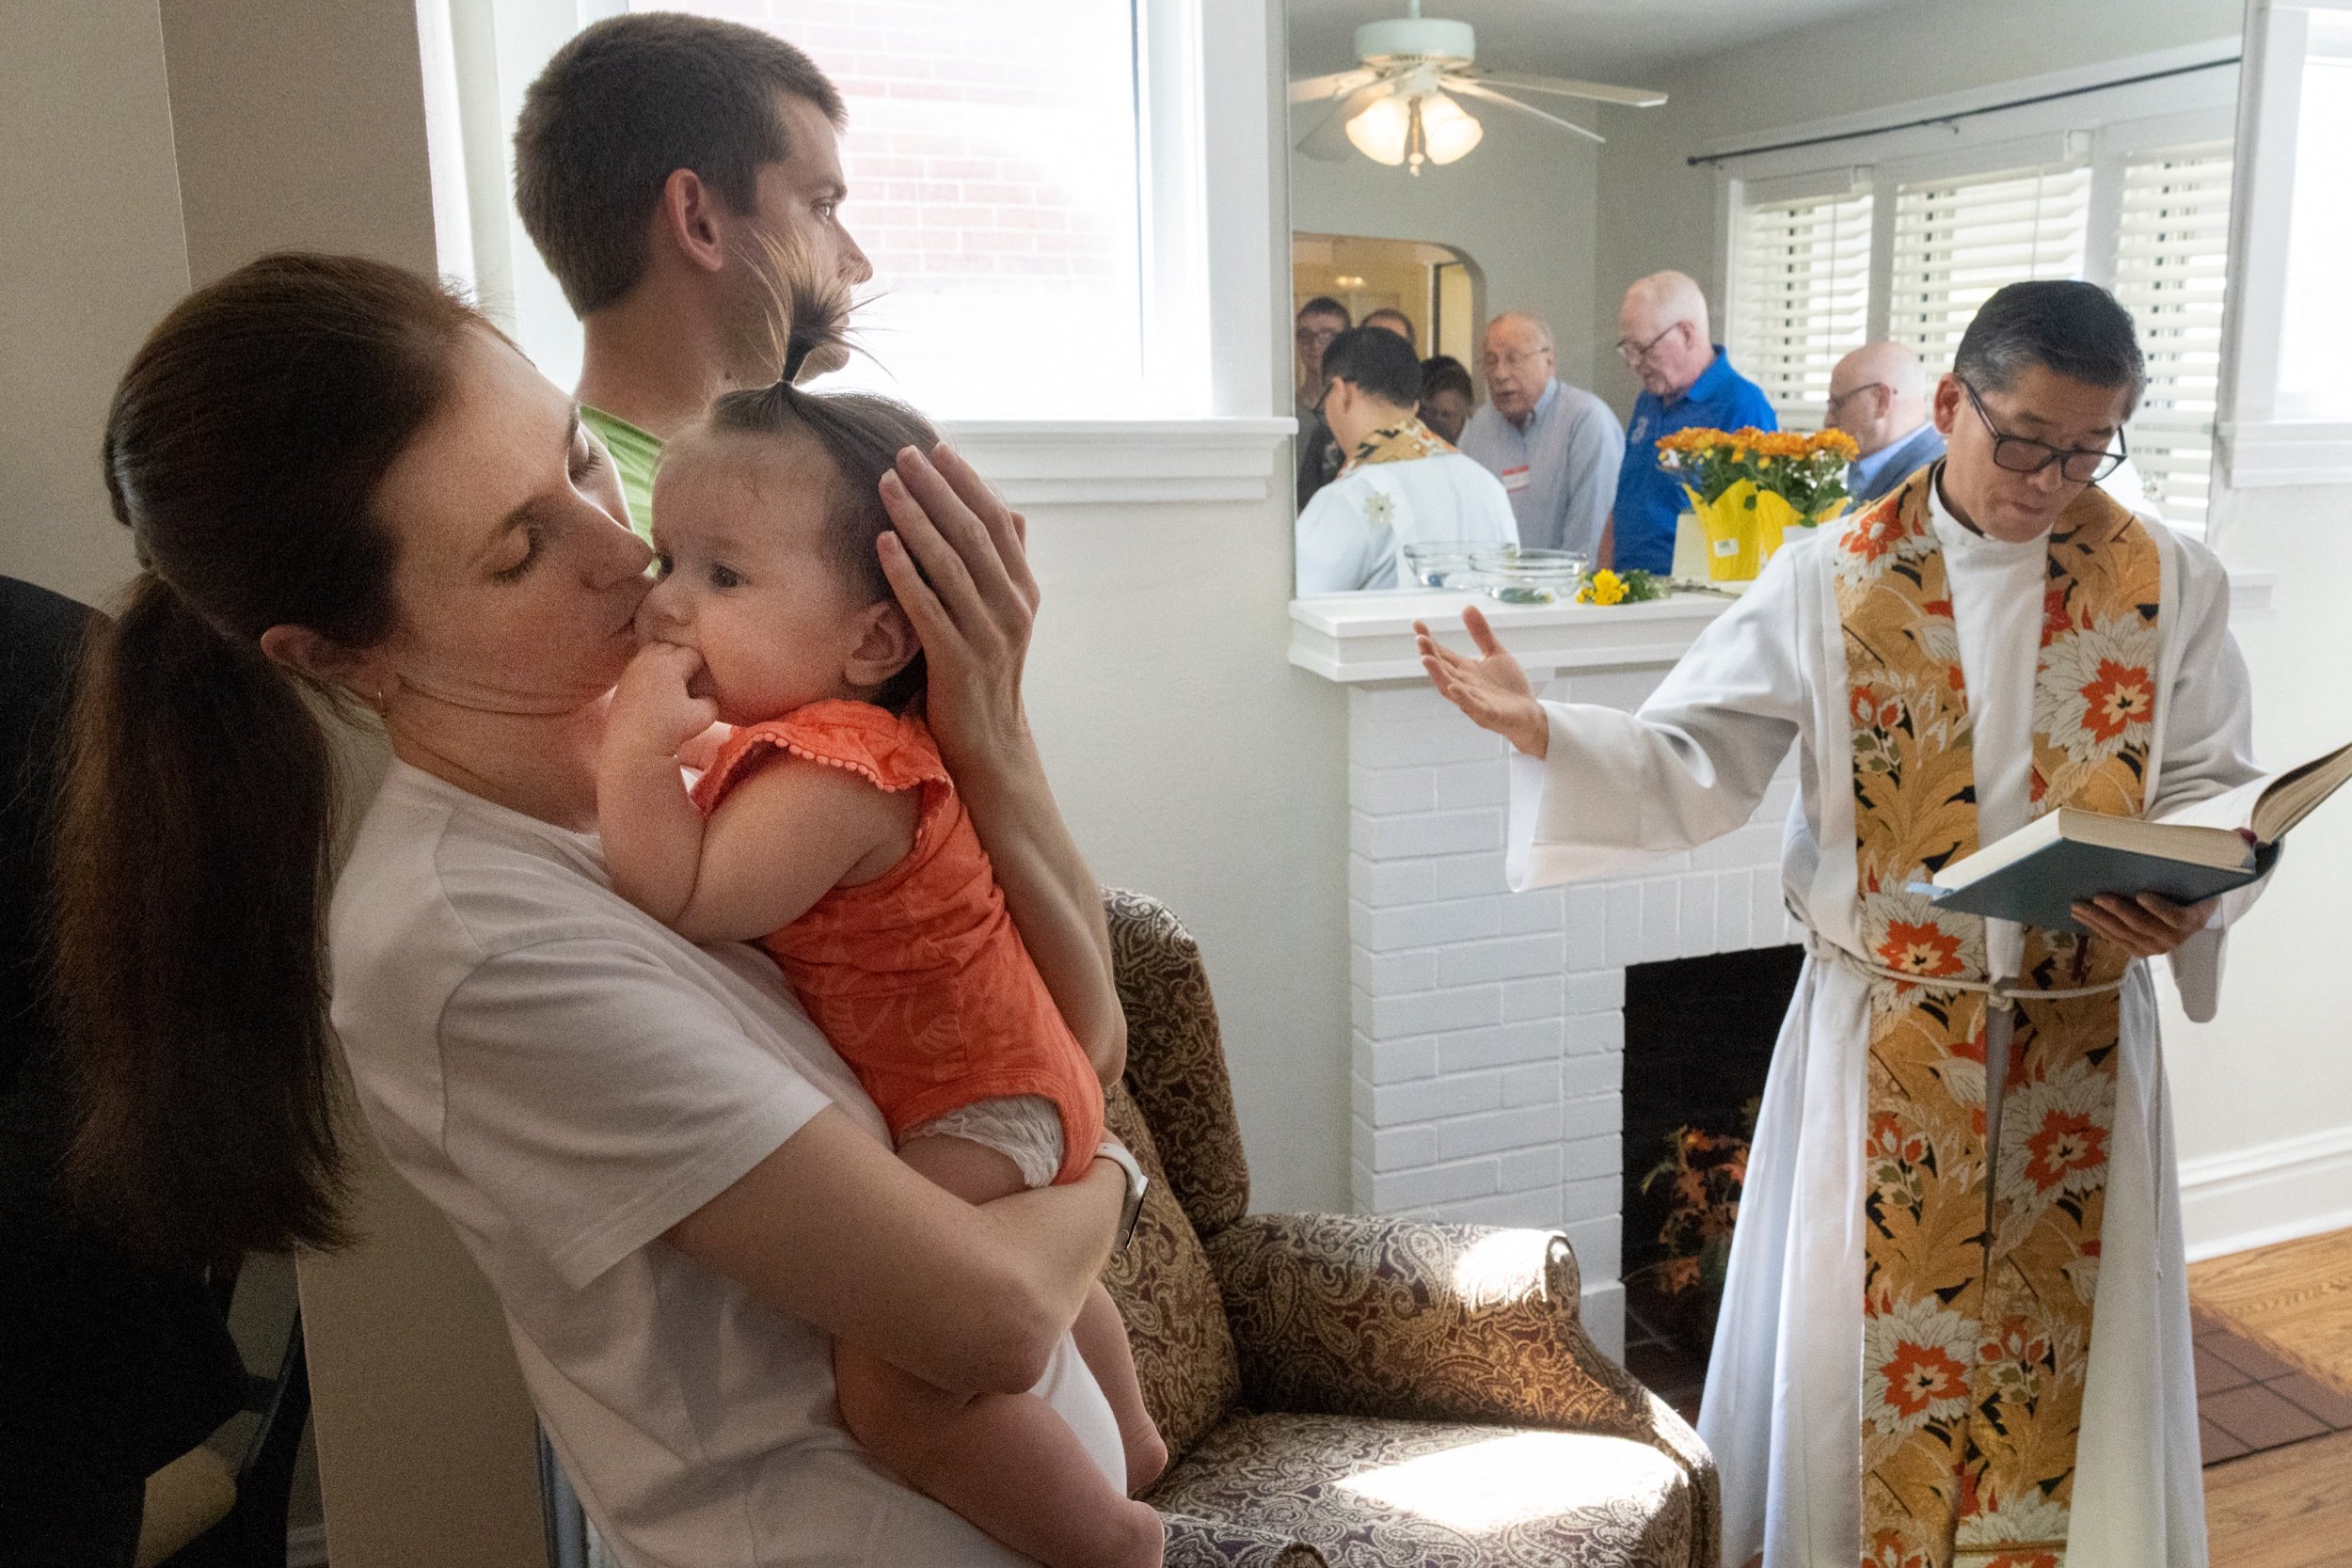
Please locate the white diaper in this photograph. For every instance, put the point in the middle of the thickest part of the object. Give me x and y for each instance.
(1023, 1127)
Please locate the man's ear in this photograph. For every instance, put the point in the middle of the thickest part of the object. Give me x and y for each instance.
(366, 673)
(882, 644)
(1948, 394)
(689, 219)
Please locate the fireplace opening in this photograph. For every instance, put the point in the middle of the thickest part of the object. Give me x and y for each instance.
(1698, 1040)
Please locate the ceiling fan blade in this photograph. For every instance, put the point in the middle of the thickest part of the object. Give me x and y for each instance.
(1601, 92)
(1328, 140)
(1468, 88)
(1309, 89)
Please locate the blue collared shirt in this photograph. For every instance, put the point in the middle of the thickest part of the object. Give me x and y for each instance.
(1868, 478)
(1559, 471)
(1648, 497)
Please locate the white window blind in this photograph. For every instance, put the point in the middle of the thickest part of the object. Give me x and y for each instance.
(1957, 241)
(2171, 259)
(1800, 296)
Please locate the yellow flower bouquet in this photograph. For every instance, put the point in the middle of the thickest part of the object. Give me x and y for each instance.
(1749, 488)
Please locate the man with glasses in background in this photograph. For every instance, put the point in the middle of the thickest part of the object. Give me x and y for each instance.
(1955, 1327)
(1687, 383)
(1555, 447)
(1320, 320)
(1878, 394)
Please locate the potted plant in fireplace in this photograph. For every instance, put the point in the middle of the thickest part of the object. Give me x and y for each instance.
(1702, 1173)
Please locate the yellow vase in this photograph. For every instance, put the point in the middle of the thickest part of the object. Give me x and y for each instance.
(1729, 523)
(1774, 517)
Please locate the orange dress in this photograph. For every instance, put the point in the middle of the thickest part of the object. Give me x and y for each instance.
(918, 977)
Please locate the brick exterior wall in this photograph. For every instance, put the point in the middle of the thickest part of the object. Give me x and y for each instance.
(991, 161)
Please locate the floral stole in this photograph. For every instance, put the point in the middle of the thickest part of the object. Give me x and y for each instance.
(1981, 1265)
(1398, 443)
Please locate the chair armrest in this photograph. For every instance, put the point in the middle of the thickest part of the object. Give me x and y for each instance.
(1367, 1315)
(1220, 1544)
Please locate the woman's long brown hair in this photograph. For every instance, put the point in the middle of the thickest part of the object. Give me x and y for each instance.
(243, 450)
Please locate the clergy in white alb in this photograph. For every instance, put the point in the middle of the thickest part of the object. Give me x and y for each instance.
(1403, 483)
(1995, 638)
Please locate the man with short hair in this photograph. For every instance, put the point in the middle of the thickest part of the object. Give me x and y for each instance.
(1555, 447)
(1687, 383)
(1389, 319)
(1402, 485)
(659, 161)
(1320, 320)
(1447, 396)
(1878, 394)
(1956, 1328)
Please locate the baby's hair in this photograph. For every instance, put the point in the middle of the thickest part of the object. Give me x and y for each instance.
(861, 434)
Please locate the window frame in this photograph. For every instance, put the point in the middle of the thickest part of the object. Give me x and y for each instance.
(2101, 130)
(2256, 446)
(1213, 295)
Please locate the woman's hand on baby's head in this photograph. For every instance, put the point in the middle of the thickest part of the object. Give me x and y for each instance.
(654, 709)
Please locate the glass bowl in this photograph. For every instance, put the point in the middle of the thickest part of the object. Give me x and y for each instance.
(1511, 574)
(1441, 562)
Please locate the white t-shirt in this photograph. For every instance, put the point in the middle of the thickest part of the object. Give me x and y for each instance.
(1353, 531)
(566, 1079)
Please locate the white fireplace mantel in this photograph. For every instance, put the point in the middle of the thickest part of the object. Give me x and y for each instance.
(1352, 638)
(1368, 636)
(1488, 1026)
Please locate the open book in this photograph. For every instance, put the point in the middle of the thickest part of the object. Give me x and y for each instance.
(2036, 874)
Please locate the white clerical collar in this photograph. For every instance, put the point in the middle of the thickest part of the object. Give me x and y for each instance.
(1956, 535)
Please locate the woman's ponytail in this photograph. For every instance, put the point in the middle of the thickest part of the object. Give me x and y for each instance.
(244, 449)
(195, 823)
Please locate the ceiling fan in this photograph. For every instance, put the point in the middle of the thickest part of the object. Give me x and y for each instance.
(1395, 107)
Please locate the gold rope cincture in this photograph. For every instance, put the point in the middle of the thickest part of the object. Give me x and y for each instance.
(2005, 992)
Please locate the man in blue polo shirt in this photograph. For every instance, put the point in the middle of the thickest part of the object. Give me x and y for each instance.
(1686, 382)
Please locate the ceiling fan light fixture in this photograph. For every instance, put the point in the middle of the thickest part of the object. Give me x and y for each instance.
(1447, 128)
(1381, 130)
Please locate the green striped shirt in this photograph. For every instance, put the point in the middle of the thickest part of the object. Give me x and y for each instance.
(635, 455)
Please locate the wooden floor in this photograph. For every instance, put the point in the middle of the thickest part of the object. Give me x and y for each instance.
(2289, 1506)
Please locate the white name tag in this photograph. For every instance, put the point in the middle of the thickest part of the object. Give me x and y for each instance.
(1515, 480)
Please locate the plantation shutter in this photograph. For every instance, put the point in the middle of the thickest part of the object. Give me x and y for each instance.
(1800, 296)
(1958, 240)
(2172, 260)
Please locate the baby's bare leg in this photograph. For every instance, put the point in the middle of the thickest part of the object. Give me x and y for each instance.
(1008, 1462)
(1102, 1337)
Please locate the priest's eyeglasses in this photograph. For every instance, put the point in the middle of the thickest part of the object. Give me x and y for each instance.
(2022, 455)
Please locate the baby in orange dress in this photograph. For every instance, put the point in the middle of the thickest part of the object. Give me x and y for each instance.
(828, 829)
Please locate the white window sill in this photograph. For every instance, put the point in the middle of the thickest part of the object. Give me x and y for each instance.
(2272, 452)
(1124, 462)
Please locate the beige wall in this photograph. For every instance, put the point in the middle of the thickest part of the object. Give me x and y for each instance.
(1197, 765)
(2274, 1066)
(90, 255)
(1521, 205)
(1659, 211)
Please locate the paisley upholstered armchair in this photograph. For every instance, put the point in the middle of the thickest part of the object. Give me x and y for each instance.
(1360, 1391)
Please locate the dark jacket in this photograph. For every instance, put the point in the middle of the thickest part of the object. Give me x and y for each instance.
(107, 1365)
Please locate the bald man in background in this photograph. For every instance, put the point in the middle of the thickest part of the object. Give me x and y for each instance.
(1687, 383)
(1555, 447)
(1879, 395)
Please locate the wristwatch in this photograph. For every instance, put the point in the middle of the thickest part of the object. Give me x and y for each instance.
(1132, 1210)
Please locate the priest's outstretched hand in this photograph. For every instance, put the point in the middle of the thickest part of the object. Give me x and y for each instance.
(1491, 689)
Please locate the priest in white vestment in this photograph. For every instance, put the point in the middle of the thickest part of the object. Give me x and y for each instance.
(1403, 483)
(2033, 413)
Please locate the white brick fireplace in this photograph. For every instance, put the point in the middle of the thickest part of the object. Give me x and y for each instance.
(1489, 1026)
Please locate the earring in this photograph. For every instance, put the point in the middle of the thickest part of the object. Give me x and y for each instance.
(382, 710)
